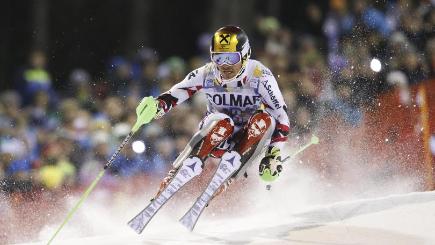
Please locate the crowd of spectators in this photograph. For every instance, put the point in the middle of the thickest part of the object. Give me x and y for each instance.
(52, 139)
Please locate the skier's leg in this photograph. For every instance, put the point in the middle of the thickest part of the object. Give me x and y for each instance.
(219, 133)
(258, 130)
(205, 127)
(216, 129)
(251, 141)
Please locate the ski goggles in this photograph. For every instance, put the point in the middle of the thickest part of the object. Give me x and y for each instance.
(230, 58)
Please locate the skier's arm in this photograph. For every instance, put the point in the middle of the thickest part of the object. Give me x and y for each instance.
(180, 92)
(275, 105)
(271, 165)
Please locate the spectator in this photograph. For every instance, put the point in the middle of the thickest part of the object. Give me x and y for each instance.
(344, 106)
(96, 157)
(56, 170)
(15, 144)
(303, 120)
(35, 77)
(414, 67)
(161, 162)
(80, 81)
(112, 110)
(40, 112)
(128, 162)
(316, 81)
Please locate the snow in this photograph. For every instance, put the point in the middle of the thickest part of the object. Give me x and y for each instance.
(395, 219)
(299, 208)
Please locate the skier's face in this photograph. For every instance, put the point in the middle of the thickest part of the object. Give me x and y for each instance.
(229, 71)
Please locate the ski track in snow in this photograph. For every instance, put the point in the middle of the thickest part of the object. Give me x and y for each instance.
(396, 219)
(297, 210)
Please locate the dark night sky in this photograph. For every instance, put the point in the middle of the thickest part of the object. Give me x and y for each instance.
(83, 33)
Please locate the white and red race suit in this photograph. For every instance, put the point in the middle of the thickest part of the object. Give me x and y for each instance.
(256, 88)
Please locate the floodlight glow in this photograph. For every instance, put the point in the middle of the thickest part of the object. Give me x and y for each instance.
(375, 65)
(138, 146)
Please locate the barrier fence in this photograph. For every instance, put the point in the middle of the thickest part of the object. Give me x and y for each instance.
(392, 141)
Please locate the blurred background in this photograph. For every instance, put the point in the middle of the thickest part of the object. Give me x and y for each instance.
(359, 74)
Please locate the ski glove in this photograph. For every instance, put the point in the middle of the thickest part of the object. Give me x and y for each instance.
(160, 109)
(271, 166)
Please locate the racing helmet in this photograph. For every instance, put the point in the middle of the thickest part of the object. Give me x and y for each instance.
(230, 45)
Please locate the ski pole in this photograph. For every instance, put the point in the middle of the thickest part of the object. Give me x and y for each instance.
(313, 141)
(145, 112)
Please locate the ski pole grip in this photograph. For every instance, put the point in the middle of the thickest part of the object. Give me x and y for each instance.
(145, 112)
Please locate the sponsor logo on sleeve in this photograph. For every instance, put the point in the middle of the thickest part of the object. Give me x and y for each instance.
(192, 74)
(258, 72)
(208, 83)
(267, 72)
(253, 83)
(269, 90)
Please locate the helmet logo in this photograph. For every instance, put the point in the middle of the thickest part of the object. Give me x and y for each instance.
(224, 42)
(224, 39)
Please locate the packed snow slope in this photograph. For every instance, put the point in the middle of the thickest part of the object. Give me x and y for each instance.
(299, 209)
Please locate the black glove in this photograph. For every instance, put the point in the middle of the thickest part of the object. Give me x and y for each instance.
(270, 166)
(160, 109)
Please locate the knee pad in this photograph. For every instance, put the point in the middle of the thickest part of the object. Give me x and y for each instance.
(220, 132)
(256, 135)
(254, 131)
(208, 122)
(205, 127)
(258, 125)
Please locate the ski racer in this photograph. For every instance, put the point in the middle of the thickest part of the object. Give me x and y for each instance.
(246, 112)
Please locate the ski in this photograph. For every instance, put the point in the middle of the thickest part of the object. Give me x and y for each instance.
(191, 168)
(228, 165)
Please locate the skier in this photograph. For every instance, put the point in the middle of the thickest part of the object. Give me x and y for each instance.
(246, 112)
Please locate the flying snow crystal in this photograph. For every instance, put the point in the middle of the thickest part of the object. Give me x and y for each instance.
(375, 65)
(138, 146)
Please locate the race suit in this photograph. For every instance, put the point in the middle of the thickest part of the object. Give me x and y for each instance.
(255, 89)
